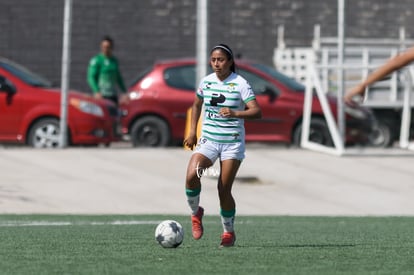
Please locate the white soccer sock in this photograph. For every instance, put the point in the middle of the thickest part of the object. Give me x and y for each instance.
(193, 202)
(228, 223)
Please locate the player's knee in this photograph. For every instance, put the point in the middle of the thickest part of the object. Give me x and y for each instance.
(192, 178)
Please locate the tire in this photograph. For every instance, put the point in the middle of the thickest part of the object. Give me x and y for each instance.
(319, 133)
(382, 136)
(150, 131)
(44, 134)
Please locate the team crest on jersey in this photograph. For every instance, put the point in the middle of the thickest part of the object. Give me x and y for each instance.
(231, 87)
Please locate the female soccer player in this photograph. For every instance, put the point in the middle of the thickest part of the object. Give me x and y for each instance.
(228, 100)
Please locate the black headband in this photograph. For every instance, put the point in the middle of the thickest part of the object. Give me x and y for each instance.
(224, 48)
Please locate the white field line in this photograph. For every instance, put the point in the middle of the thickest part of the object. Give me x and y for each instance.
(57, 223)
(51, 223)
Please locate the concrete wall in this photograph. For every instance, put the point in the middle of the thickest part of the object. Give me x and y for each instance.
(144, 30)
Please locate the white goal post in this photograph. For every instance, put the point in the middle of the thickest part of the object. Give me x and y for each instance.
(313, 83)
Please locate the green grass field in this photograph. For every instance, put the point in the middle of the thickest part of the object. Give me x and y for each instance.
(36, 244)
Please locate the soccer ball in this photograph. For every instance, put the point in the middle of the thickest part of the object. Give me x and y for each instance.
(169, 234)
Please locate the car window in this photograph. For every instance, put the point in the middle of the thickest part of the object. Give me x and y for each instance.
(289, 82)
(259, 85)
(4, 82)
(24, 74)
(140, 76)
(182, 77)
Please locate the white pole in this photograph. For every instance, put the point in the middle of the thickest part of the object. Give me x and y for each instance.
(406, 113)
(316, 43)
(65, 73)
(201, 43)
(281, 37)
(341, 84)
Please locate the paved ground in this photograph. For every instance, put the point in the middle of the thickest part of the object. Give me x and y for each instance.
(273, 180)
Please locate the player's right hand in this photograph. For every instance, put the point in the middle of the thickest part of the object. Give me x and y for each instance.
(190, 141)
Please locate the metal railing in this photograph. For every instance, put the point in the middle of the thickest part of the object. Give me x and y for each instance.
(314, 83)
(361, 56)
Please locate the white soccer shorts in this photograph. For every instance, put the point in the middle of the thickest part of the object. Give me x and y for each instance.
(224, 151)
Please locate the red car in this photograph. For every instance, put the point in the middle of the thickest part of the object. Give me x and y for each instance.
(161, 96)
(30, 111)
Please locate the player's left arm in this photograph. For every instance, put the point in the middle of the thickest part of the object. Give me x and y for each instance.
(252, 111)
(92, 74)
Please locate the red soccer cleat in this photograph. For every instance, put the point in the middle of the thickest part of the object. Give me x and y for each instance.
(228, 239)
(197, 225)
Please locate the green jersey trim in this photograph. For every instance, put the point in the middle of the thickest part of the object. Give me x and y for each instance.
(221, 134)
(223, 126)
(249, 99)
(222, 119)
(222, 91)
(227, 98)
(221, 106)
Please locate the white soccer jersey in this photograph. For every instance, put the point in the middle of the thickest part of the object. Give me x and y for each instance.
(233, 93)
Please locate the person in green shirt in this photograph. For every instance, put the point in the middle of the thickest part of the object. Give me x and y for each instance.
(104, 76)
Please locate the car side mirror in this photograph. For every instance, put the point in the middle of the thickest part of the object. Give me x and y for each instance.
(6, 86)
(270, 93)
